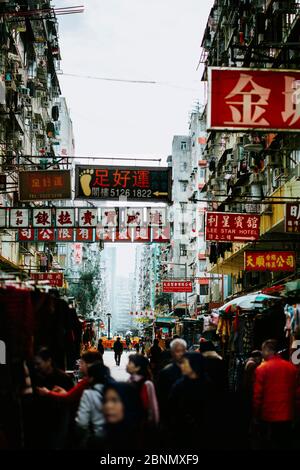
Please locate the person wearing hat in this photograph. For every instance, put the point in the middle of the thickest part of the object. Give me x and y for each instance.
(189, 404)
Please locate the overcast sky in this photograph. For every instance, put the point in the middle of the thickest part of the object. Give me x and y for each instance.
(155, 40)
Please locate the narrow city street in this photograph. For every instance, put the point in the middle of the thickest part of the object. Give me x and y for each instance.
(117, 372)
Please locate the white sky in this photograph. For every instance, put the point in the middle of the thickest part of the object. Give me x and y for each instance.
(157, 40)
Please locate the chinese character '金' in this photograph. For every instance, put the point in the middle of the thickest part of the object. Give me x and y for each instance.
(249, 109)
(141, 178)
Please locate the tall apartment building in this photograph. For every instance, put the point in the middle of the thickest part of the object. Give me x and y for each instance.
(251, 166)
(34, 120)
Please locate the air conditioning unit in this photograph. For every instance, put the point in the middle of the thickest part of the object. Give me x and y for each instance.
(273, 160)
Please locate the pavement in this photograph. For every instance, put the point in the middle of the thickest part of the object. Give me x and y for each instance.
(118, 372)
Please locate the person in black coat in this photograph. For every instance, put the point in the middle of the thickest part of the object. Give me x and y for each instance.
(118, 349)
(169, 374)
(189, 406)
(100, 347)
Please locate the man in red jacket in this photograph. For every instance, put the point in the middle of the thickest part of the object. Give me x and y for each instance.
(274, 397)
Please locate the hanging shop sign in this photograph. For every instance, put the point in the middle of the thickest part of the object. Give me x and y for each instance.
(177, 286)
(91, 235)
(132, 183)
(269, 260)
(85, 218)
(230, 227)
(55, 279)
(44, 185)
(292, 217)
(77, 253)
(262, 99)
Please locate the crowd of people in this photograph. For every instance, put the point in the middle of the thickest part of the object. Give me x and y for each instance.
(174, 399)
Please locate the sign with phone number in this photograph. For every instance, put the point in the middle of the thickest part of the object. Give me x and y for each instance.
(132, 183)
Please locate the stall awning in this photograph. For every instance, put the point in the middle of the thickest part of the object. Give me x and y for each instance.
(8, 266)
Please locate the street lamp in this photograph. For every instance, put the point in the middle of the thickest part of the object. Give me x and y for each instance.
(108, 324)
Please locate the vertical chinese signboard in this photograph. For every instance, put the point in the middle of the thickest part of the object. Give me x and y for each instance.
(292, 217)
(177, 286)
(230, 227)
(132, 183)
(270, 260)
(260, 99)
(44, 185)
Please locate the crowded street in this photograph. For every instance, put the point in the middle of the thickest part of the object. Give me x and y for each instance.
(149, 230)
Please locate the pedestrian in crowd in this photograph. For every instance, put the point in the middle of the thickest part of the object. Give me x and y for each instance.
(118, 349)
(128, 343)
(250, 428)
(154, 355)
(46, 423)
(170, 374)
(147, 347)
(75, 393)
(137, 347)
(123, 412)
(72, 397)
(274, 398)
(47, 374)
(166, 356)
(142, 343)
(90, 419)
(100, 347)
(140, 376)
(214, 365)
(189, 406)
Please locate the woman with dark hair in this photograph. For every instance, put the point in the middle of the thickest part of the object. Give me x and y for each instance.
(140, 376)
(89, 419)
(123, 413)
(189, 406)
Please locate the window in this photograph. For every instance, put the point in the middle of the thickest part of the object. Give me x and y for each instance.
(183, 145)
(204, 289)
(183, 250)
(183, 166)
(183, 185)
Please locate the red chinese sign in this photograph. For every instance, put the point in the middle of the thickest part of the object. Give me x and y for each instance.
(44, 185)
(292, 218)
(177, 286)
(26, 235)
(84, 235)
(65, 234)
(46, 235)
(270, 260)
(261, 99)
(55, 279)
(229, 227)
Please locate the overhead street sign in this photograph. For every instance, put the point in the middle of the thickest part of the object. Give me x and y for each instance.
(133, 183)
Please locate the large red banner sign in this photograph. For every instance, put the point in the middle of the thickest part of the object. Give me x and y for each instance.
(55, 279)
(225, 227)
(292, 217)
(177, 286)
(261, 99)
(270, 261)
